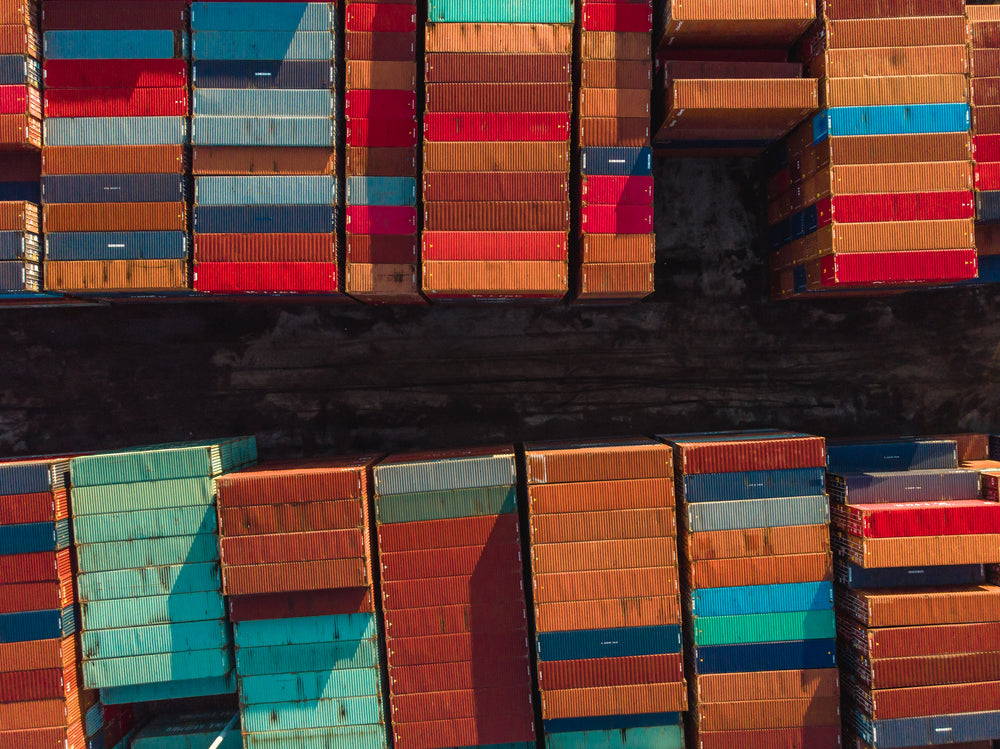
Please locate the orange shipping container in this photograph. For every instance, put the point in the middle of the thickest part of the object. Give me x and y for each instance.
(614, 131)
(632, 459)
(636, 74)
(799, 684)
(19, 12)
(541, 278)
(20, 130)
(791, 95)
(794, 568)
(623, 700)
(239, 160)
(618, 249)
(20, 39)
(614, 102)
(381, 75)
(598, 496)
(523, 38)
(115, 159)
(115, 217)
(19, 216)
(896, 32)
(384, 283)
(952, 59)
(603, 555)
(729, 716)
(759, 542)
(603, 526)
(615, 281)
(615, 45)
(920, 551)
(640, 611)
(496, 157)
(740, 23)
(115, 275)
(902, 89)
(497, 216)
(605, 585)
(889, 178)
(894, 149)
(285, 577)
(961, 605)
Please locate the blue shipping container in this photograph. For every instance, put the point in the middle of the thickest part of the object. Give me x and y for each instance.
(381, 191)
(762, 599)
(616, 161)
(794, 482)
(261, 16)
(115, 131)
(172, 690)
(855, 577)
(309, 685)
(262, 74)
(285, 219)
(18, 191)
(50, 624)
(28, 538)
(262, 45)
(16, 245)
(125, 245)
(898, 119)
(608, 643)
(222, 102)
(264, 131)
(266, 190)
(155, 44)
(25, 478)
(113, 188)
(772, 656)
(931, 730)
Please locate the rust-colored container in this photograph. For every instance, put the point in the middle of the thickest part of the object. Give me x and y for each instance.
(294, 605)
(240, 160)
(449, 532)
(387, 283)
(895, 32)
(614, 131)
(115, 216)
(615, 45)
(37, 654)
(608, 672)
(293, 547)
(628, 460)
(985, 91)
(963, 668)
(496, 157)
(15, 716)
(944, 699)
(603, 555)
(984, 63)
(882, 237)
(19, 12)
(31, 685)
(603, 526)
(793, 568)
(522, 38)
(894, 149)
(499, 97)
(810, 737)
(759, 542)
(115, 275)
(769, 713)
(20, 130)
(893, 8)
(114, 160)
(262, 248)
(390, 75)
(951, 59)
(757, 23)
(750, 452)
(615, 280)
(495, 186)
(618, 249)
(382, 249)
(919, 551)
(295, 483)
(799, 684)
(598, 496)
(381, 162)
(605, 585)
(761, 103)
(903, 642)
(400, 46)
(20, 39)
(899, 89)
(623, 74)
(537, 278)
(497, 216)
(19, 216)
(891, 608)
(891, 178)
(473, 67)
(20, 597)
(985, 120)
(620, 700)
(614, 102)
(294, 576)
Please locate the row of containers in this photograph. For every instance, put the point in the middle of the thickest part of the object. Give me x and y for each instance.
(865, 114)
(219, 149)
(760, 589)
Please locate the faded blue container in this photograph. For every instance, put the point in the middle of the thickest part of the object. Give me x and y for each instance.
(284, 219)
(50, 624)
(772, 656)
(652, 737)
(896, 120)
(141, 496)
(794, 482)
(616, 161)
(234, 102)
(303, 630)
(116, 131)
(17, 245)
(134, 245)
(261, 16)
(381, 191)
(151, 610)
(309, 685)
(264, 131)
(149, 669)
(762, 599)
(171, 690)
(113, 188)
(149, 581)
(928, 730)
(158, 638)
(758, 513)
(355, 737)
(25, 478)
(157, 552)
(439, 475)
(262, 45)
(357, 711)
(20, 70)
(132, 44)
(903, 486)
(891, 455)
(291, 659)
(608, 643)
(499, 11)
(28, 538)
(266, 190)
(261, 74)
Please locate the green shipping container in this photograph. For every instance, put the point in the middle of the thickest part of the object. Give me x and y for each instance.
(142, 496)
(754, 628)
(133, 526)
(456, 503)
(500, 11)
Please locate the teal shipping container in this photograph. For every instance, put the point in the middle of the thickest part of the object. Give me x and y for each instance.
(159, 667)
(639, 737)
(155, 552)
(262, 16)
(262, 45)
(354, 737)
(758, 513)
(149, 581)
(499, 11)
(157, 638)
(140, 612)
(142, 496)
(169, 690)
(320, 132)
(137, 526)
(116, 131)
(303, 630)
(309, 685)
(381, 191)
(355, 711)
(232, 102)
(172, 731)
(291, 659)
(267, 190)
(440, 475)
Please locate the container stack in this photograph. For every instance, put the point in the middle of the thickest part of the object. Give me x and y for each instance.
(152, 615)
(497, 149)
(617, 242)
(918, 628)
(383, 254)
(728, 88)
(756, 585)
(114, 182)
(170, 731)
(453, 598)
(43, 704)
(877, 193)
(605, 584)
(297, 571)
(984, 72)
(264, 129)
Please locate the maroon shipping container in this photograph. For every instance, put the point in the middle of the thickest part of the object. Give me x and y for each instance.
(944, 699)
(263, 248)
(619, 17)
(456, 561)
(489, 727)
(448, 533)
(927, 670)
(460, 646)
(750, 451)
(295, 482)
(476, 67)
(383, 45)
(289, 577)
(901, 642)
(29, 686)
(290, 518)
(97, 74)
(26, 568)
(442, 591)
(810, 737)
(498, 216)
(463, 617)
(382, 248)
(308, 603)
(457, 704)
(382, 132)
(39, 596)
(380, 17)
(609, 672)
(365, 103)
(460, 675)
(118, 14)
(499, 97)
(497, 186)
(848, 9)
(293, 547)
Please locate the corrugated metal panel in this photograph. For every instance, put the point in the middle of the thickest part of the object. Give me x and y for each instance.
(452, 562)
(662, 737)
(262, 16)
(28, 538)
(601, 555)
(167, 461)
(263, 131)
(87, 77)
(139, 612)
(614, 723)
(290, 518)
(449, 533)
(36, 654)
(904, 486)
(102, 217)
(761, 599)
(116, 131)
(267, 278)
(918, 551)
(892, 673)
(384, 46)
(171, 690)
(159, 552)
(600, 701)
(294, 547)
(643, 611)
(923, 731)
(473, 67)
(292, 659)
(302, 630)
(948, 606)
(20, 70)
(605, 672)
(761, 628)
(608, 643)
(795, 482)
(142, 495)
(500, 37)
(30, 686)
(265, 219)
(601, 496)
(179, 521)
(616, 161)
(853, 576)
(823, 711)
(139, 245)
(149, 581)
(294, 576)
(897, 120)
(781, 656)
(358, 737)
(931, 518)
(28, 477)
(153, 44)
(381, 191)
(262, 45)
(290, 605)
(147, 669)
(417, 593)
(180, 731)
(50, 624)
(498, 11)
(391, 17)
(221, 102)
(25, 568)
(758, 513)
(269, 190)
(309, 686)
(794, 568)
(155, 639)
(261, 74)
(603, 526)
(746, 451)
(896, 455)
(444, 474)
(779, 685)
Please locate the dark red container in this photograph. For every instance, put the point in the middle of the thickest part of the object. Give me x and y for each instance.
(381, 162)
(847, 9)
(476, 67)
(17, 597)
(282, 278)
(295, 482)
(489, 727)
(290, 518)
(394, 249)
(498, 186)
(453, 562)
(365, 103)
(985, 91)
(902, 642)
(381, 219)
(26, 568)
(962, 668)
(382, 132)
(920, 206)
(451, 648)
(368, 45)
(289, 577)
(28, 686)
(263, 248)
(609, 672)
(120, 14)
(636, 17)
(455, 704)
(26, 508)
(496, 126)
(442, 620)
(444, 534)
(811, 737)
(293, 547)
(499, 97)
(461, 675)
(309, 603)
(444, 591)
(616, 219)
(988, 176)
(114, 73)
(381, 17)
(609, 190)
(753, 452)
(440, 245)
(945, 699)
(116, 102)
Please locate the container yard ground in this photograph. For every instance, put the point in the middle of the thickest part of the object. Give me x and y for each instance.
(706, 352)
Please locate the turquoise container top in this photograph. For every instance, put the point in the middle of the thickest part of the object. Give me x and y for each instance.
(500, 11)
(302, 630)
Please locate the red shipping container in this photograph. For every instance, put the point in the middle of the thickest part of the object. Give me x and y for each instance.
(25, 686)
(453, 562)
(365, 103)
(441, 620)
(387, 46)
(637, 17)
(20, 100)
(382, 132)
(264, 248)
(17, 597)
(809, 737)
(902, 642)
(444, 534)
(293, 547)
(115, 74)
(26, 568)
(941, 518)
(118, 14)
(608, 190)
(309, 603)
(27, 508)
(290, 517)
(460, 675)
(381, 219)
(487, 728)
(381, 16)
(495, 186)
(116, 102)
(616, 219)
(848, 9)
(289, 577)
(610, 672)
(915, 266)
(944, 699)
(441, 245)
(282, 278)
(986, 148)
(988, 176)
(39, 738)
(462, 646)
(496, 126)
(382, 248)
(453, 704)
(502, 585)
(920, 206)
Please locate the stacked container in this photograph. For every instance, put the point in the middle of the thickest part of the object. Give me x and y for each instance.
(878, 190)
(169, 731)
(497, 149)
(20, 139)
(728, 88)
(917, 631)
(453, 600)
(264, 131)
(756, 587)
(114, 182)
(617, 242)
(152, 615)
(43, 704)
(984, 72)
(383, 253)
(297, 570)
(604, 580)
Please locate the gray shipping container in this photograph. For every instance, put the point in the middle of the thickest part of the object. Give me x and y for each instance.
(758, 513)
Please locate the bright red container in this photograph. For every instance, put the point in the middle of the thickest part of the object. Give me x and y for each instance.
(452, 648)
(381, 16)
(309, 603)
(914, 266)
(282, 278)
(444, 534)
(986, 148)
(609, 190)
(442, 245)
(609, 672)
(462, 617)
(458, 560)
(115, 73)
(918, 206)
(904, 519)
(16, 100)
(461, 675)
(366, 103)
(381, 219)
(17, 597)
(988, 176)
(480, 588)
(116, 102)
(382, 132)
(496, 126)
(616, 219)
(634, 17)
